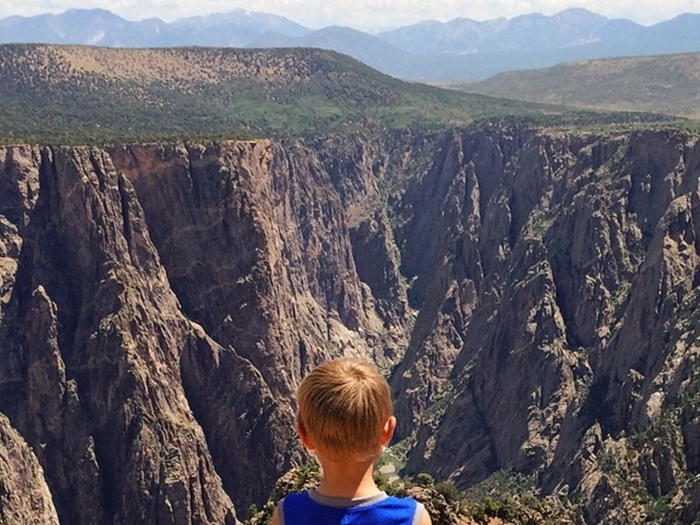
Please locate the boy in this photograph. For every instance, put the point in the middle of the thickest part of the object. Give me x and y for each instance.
(345, 418)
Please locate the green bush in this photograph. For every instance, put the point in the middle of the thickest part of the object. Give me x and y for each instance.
(448, 491)
(425, 480)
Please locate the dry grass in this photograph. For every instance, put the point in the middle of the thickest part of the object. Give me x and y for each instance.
(165, 65)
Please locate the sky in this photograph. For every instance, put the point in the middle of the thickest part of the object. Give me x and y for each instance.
(366, 15)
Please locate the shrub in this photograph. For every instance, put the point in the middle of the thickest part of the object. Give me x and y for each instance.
(425, 480)
(448, 491)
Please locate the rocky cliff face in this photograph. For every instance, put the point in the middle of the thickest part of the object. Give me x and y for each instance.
(160, 304)
(533, 295)
(24, 495)
(567, 297)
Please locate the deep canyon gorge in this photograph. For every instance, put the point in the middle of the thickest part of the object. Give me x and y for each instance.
(531, 293)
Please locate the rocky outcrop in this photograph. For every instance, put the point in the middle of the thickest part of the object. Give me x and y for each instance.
(18, 194)
(24, 496)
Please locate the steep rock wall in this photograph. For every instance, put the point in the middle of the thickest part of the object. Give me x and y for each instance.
(574, 277)
(160, 304)
(24, 495)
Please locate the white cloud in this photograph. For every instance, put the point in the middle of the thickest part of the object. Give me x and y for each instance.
(362, 14)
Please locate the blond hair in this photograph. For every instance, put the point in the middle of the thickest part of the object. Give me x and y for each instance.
(343, 407)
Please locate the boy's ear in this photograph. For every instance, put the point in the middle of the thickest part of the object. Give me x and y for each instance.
(304, 437)
(388, 430)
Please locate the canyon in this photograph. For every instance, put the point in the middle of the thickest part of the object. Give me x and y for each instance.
(531, 293)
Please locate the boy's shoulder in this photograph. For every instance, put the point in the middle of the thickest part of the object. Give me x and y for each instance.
(380, 497)
(379, 508)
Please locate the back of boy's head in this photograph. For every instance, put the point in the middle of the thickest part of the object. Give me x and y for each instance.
(343, 406)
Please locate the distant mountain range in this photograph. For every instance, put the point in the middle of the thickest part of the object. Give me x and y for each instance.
(460, 49)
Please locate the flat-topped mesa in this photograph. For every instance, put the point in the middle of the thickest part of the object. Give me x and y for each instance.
(95, 95)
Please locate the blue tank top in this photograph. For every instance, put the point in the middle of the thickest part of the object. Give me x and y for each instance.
(311, 508)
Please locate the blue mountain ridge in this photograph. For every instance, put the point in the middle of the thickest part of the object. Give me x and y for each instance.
(460, 49)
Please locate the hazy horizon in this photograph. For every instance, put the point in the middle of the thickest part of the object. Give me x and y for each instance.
(367, 15)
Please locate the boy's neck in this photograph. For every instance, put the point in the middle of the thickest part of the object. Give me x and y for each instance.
(347, 479)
